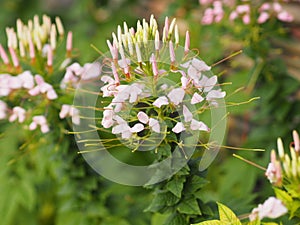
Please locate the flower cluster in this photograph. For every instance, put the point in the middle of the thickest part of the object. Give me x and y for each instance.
(271, 208)
(215, 11)
(27, 95)
(156, 81)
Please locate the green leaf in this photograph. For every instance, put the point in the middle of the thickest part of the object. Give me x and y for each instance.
(254, 222)
(227, 216)
(176, 185)
(161, 200)
(195, 184)
(176, 219)
(210, 222)
(189, 206)
(283, 196)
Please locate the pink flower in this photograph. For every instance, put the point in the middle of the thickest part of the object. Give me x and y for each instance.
(39, 121)
(187, 42)
(68, 110)
(271, 208)
(263, 17)
(3, 109)
(285, 16)
(163, 100)
(143, 117)
(17, 114)
(179, 127)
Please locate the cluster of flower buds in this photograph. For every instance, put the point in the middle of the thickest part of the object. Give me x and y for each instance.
(25, 81)
(290, 164)
(216, 12)
(141, 63)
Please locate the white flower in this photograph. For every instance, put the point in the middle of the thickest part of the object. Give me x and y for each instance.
(176, 96)
(271, 208)
(68, 110)
(161, 101)
(198, 125)
(42, 87)
(26, 79)
(41, 121)
(137, 128)
(18, 114)
(179, 127)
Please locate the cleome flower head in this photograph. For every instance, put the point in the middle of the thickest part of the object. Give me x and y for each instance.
(153, 85)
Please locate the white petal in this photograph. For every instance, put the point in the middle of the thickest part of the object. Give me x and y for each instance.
(196, 98)
(154, 124)
(213, 94)
(184, 82)
(210, 83)
(143, 117)
(107, 79)
(198, 125)
(188, 116)
(179, 127)
(176, 95)
(126, 134)
(137, 128)
(200, 65)
(161, 101)
(193, 73)
(120, 128)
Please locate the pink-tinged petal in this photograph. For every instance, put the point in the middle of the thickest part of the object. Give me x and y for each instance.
(198, 125)
(277, 7)
(33, 126)
(263, 17)
(76, 119)
(107, 79)
(120, 128)
(119, 120)
(186, 64)
(193, 73)
(296, 141)
(107, 120)
(137, 128)
(273, 208)
(246, 19)
(213, 94)
(172, 52)
(27, 79)
(14, 82)
(184, 82)
(243, 8)
(126, 134)
(64, 111)
(200, 65)
(34, 91)
(154, 65)
(91, 71)
(69, 41)
(3, 109)
(51, 94)
(196, 98)
(115, 73)
(143, 117)
(39, 79)
(45, 128)
(179, 127)
(154, 124)
(265, 7)
(209, 83)
(188, 116)
(233, 15)
(176, 96)
(3, 55)
(161, 101)
(49, 56)
(14, 57)
(285, 16)
(187, 42)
